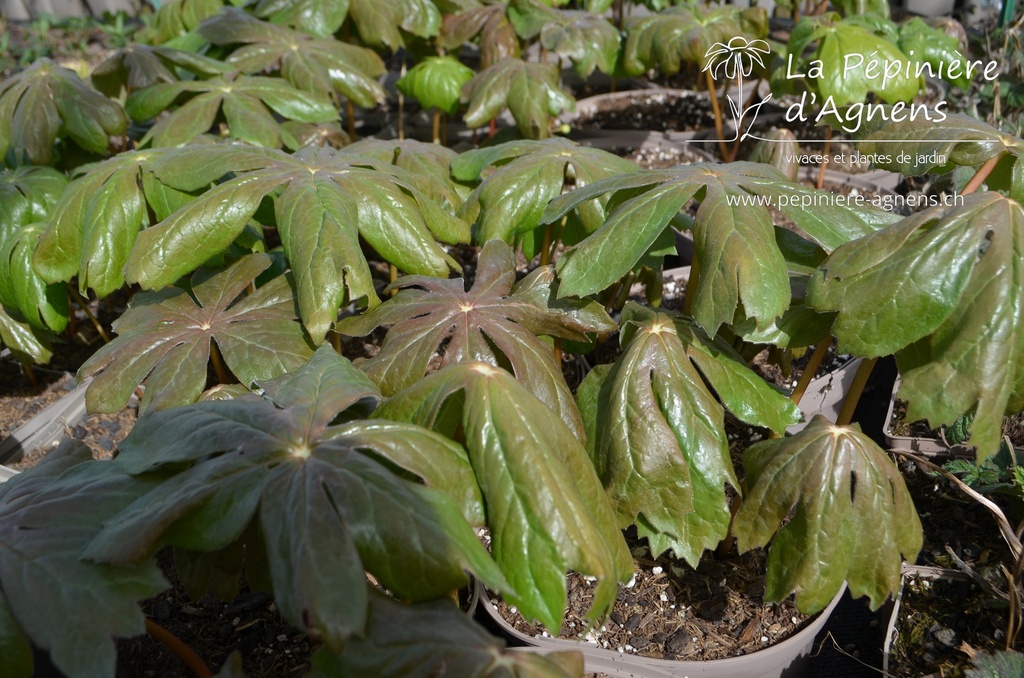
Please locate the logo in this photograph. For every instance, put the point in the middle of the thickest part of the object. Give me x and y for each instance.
(735, 61)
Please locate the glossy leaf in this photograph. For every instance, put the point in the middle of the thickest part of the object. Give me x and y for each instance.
(657, 431)
(27, 195)
(67, 606)
(496, 321)
(959, 141)
(488, 24)
(846, 49)
(741, 266)
(525, 176)
(165, 337)
(429, 166)
(47, 101)
(328, 200)
(954, 322)
(529, 90)
(933, 46)
(26, 343)
(330, 508)
(433, 640)
(137, 66)
(43, 306)
(97, 220)
(544, 504)
(436, 82)
(174, 20)
(835, 508)
(245, 101)
(685, 33)
(378, 22)
(316, 65)
(587, 39)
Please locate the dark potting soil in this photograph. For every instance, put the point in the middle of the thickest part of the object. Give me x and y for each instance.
(671, 611)
(654, 110)
(943, 622)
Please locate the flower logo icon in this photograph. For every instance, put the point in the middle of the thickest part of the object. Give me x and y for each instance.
(735, 60)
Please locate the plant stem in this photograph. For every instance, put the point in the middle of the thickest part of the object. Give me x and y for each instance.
(437, 126)
(820, 351)
(979, 177)
(860, 380)
(545, 248)
(718, 114)
(350, 110)
(401, 107)
(218, 364)
(180, 649)
(558, 351)
(85, 307)
(691, 288)
(825, 154)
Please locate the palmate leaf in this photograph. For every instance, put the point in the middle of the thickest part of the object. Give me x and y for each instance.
(380, 22)
(435, 640)
(67, 606)
(845, 79)
(657, 433)
(525, 176)
(245, 101)
(489, 24)
(328, 200)
(529, 90)
(175, 21)
(22, 291)
(587, 39)
(496, 321)
(316, 65)
(28, 194)
(943, 290)
(329, 506)
(835, 508)
(742, 271)
(136, 67)
(99, 215)
(934, 46)
(47, 101)
(164, 339)
(429, 166)
(959, 141)
(683, 34)
(544, 504)
(436, 82)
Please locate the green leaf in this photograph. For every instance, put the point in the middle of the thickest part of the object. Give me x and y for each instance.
(434, 639)
(741, 266)
(546, 510)
(588, 40)
(429, 167)
(496, 321)
(954, 321)
(247, 102)
(327, 197)
(27, 195)
(529, 90)
(935, 47)
(136, 66)
(27, 344)
(14, 644)
(96, 222)
(45, 101)
(436, 82)
(175, 20)
(22, 290)
(489, 25)
(330, 507)
(835, 508)
(526, 176)
(67, 606)
(685, 33)
(164, 339)
(959, 141)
